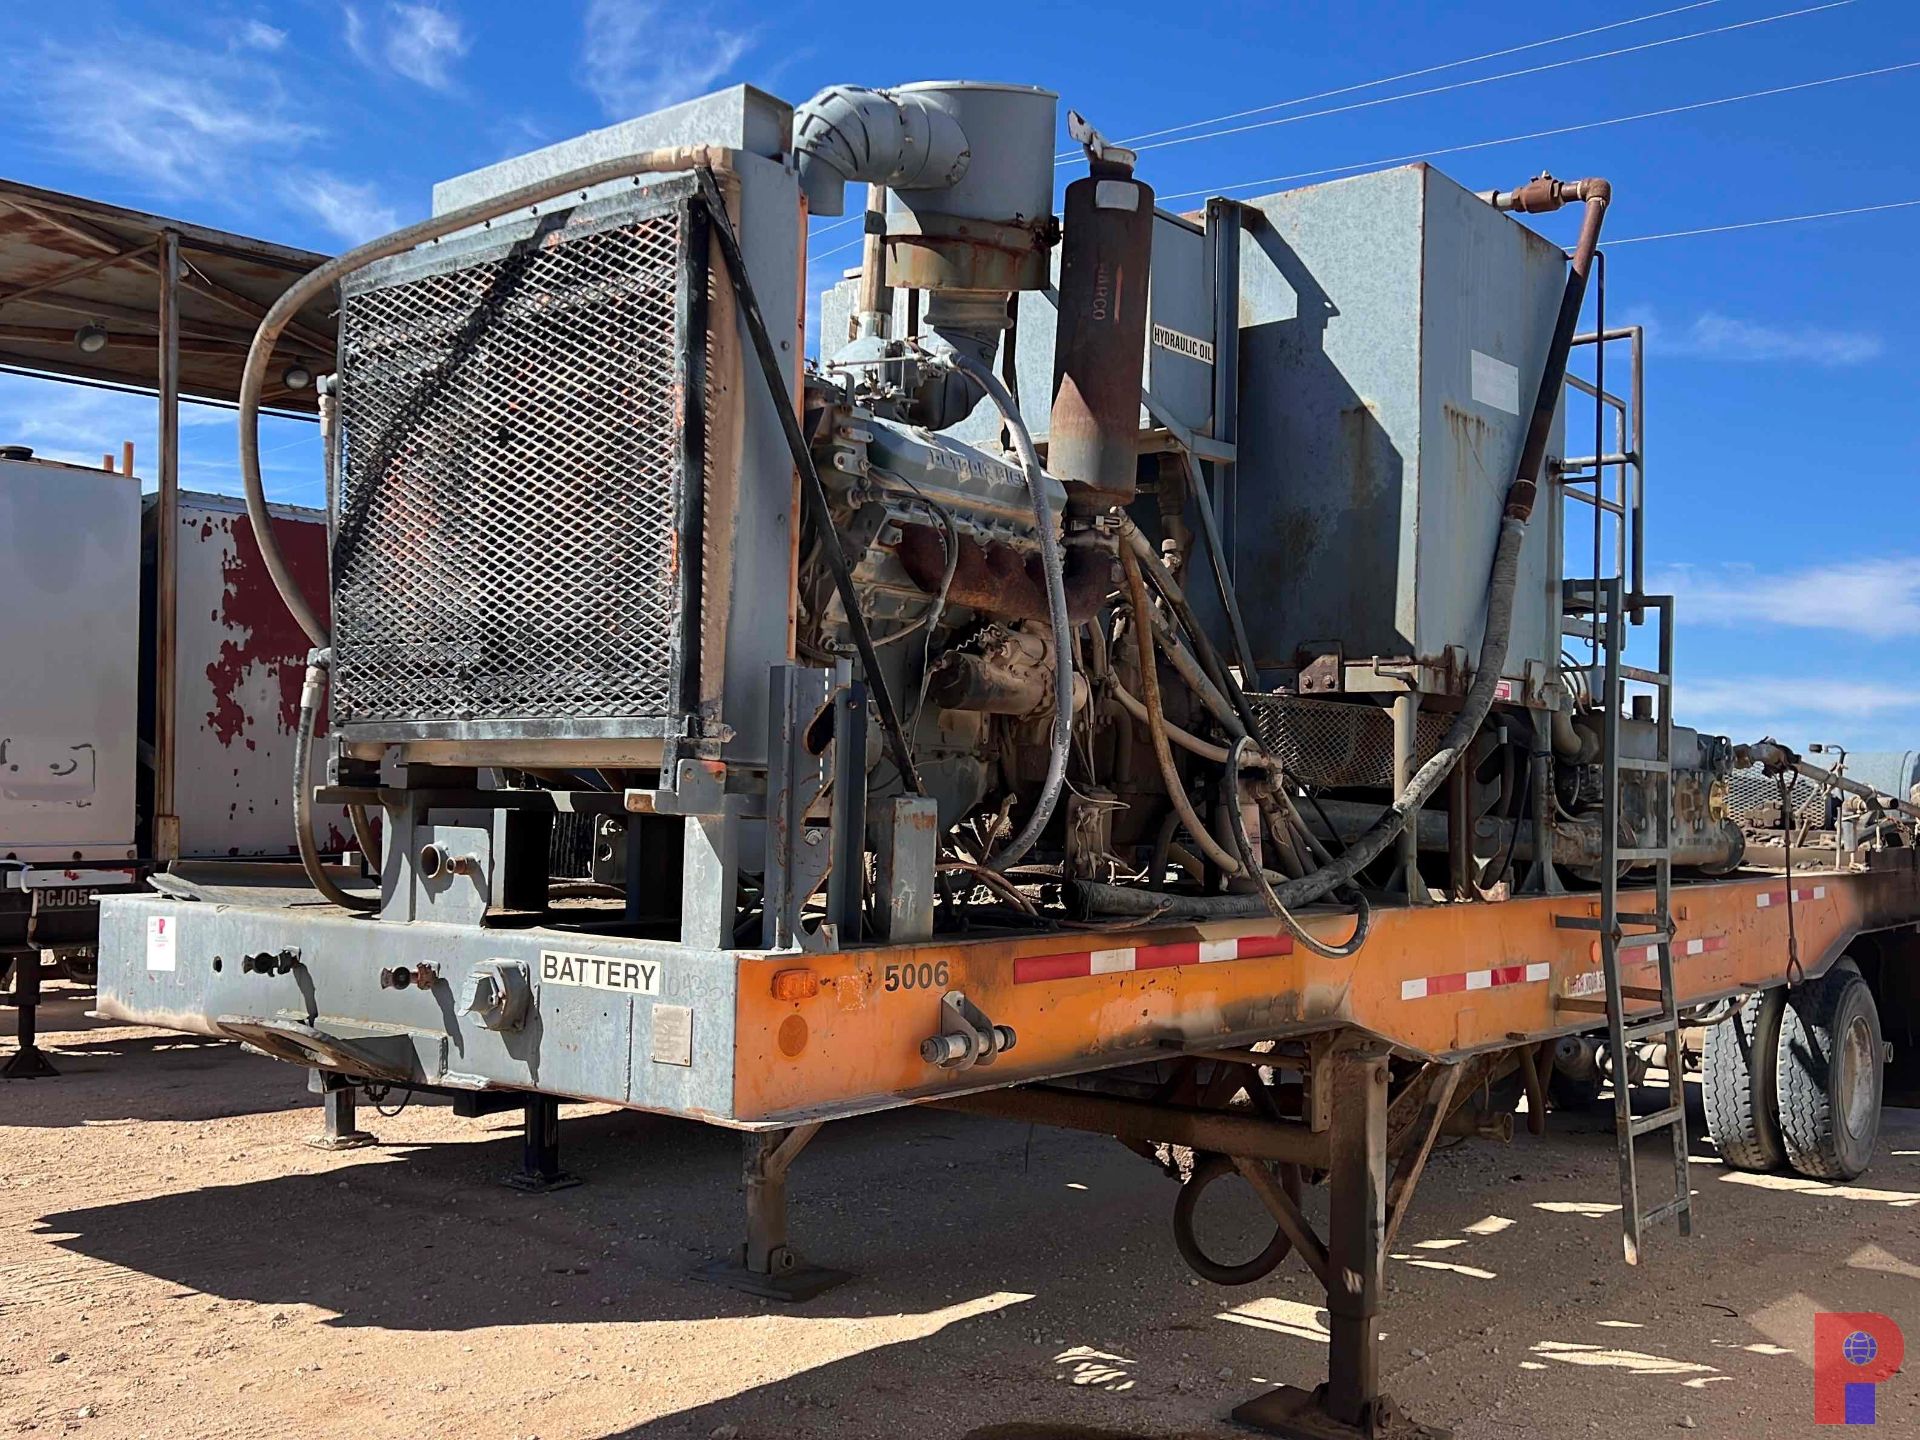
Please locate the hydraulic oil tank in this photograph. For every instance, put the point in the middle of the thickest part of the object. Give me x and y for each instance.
(1393, 330)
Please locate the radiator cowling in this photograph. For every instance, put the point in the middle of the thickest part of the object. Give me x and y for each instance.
(523, 418)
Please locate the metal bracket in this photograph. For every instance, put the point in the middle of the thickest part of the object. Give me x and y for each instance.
(817, 757)
(966, 1037)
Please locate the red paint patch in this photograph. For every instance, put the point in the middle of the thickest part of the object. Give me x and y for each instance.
(260, 629)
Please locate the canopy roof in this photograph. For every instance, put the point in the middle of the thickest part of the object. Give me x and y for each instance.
(68, 263)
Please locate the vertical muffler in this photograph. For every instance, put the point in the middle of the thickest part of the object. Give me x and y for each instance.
(1099, 347)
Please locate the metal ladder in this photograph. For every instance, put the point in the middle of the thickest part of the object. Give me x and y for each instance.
(1600, 610)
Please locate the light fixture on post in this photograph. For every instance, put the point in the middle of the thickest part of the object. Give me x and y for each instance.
(91, 338)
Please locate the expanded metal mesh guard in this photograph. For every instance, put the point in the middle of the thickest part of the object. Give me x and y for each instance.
(1338, 743)
(1753, 798)
(519, 426)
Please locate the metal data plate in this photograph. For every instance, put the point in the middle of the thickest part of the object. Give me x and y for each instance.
(522, 415)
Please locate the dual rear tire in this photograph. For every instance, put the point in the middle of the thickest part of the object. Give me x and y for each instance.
(1793, 1080)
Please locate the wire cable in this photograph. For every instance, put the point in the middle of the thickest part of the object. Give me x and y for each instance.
(1546, 134)
(1078, 152)
(1759, 224)
(1502, 75)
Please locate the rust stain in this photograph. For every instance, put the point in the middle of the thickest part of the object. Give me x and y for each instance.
(259, 629)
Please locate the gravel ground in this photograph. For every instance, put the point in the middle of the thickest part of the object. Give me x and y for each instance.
(175, 1261)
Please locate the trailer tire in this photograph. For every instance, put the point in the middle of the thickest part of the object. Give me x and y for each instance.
(1831, 1052)
(1738, 1083)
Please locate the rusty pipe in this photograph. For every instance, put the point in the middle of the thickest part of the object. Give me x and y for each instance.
(1774, 757)
(1541, 196)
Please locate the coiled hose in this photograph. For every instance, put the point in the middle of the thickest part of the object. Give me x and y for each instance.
(1054, 569)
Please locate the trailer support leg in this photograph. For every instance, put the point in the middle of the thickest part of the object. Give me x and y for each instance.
(1349, 1406)
(768, 1266)
(29, 1062)
(339, 1129)
(540, 1169)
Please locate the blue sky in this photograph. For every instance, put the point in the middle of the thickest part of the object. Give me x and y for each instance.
(1783, 444)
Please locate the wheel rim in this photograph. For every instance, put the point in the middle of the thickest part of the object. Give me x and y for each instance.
(1856, 1077)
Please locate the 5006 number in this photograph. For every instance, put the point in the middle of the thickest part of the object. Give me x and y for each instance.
(924, 976)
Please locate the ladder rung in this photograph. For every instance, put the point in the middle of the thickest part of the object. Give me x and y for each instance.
(1649, 1028)
(1641, 942)
(1658, 1120)
(1585, 1007)
(1671, 1208)
(1645, 677)
(1652, 767)
(1612, 507)
(1643, 852)
(1641, 992)
(1594, 922)
(1582, 629)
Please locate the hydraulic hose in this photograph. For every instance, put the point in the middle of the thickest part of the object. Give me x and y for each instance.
(319, 663)
(1054, 570)
(1156, 726)
(1363, 913)
(317, 282)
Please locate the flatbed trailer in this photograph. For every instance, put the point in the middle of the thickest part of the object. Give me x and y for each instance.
(1389, 1045)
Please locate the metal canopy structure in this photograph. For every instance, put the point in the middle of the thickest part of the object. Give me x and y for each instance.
(81, 296)
(101, 295)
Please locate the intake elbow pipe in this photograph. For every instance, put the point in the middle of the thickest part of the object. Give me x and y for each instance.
(876, 137)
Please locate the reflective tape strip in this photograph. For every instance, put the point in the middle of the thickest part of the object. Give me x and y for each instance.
(1495, 978)
(1078, 964)
(1767, 898)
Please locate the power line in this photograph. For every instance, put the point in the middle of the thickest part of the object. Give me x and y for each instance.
(1544, 134)
(1758, 224)
(1067, 155)
(1405, 75)
(1503, 75)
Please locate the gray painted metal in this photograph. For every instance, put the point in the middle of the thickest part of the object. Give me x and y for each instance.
(1393, 330)
(577, 1040)
(69, 660)
(740, 118)
(1010, 132)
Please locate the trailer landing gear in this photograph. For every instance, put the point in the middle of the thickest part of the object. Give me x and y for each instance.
(1350, 1406)
(29, 1062)
(540, 1169)
(339, 1130)
(768, 1266)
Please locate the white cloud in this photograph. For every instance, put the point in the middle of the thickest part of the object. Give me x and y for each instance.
(175, 120)
(73, 422)
(420, 42)
(638, 55)
(1716, 336)
(1799, 709)
(351, 210)
(258, 35)
(1877, 598)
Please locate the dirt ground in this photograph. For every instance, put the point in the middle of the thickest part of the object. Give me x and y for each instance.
(175, 1261)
